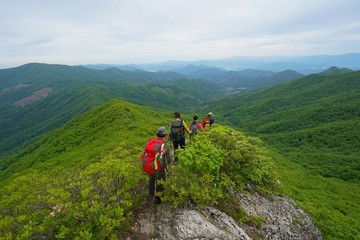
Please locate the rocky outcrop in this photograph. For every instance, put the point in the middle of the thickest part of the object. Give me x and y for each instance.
(282, 220)
(164, 223)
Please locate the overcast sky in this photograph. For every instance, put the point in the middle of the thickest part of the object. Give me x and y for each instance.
(147, 31)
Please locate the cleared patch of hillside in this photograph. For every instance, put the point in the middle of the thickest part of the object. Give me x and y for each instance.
(35, 96)
(14, 88)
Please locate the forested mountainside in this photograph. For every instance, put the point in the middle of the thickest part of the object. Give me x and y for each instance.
(37, 98)
(312, 114)
(85, 180)
(315, 123)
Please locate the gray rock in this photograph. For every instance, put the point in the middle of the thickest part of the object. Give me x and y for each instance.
(183, 223)
(282, 220)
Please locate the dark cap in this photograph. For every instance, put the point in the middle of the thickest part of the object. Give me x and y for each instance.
(176, 114)
(161, 132)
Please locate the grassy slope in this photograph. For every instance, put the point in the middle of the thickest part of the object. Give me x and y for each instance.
(81, 179)
(332, 203)
(317, 114)
(85, 139)
(313, 123)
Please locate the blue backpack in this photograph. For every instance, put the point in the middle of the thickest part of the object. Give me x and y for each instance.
(194, 128)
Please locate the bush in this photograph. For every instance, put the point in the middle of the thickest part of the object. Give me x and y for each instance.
(95, 202)
(214, 163)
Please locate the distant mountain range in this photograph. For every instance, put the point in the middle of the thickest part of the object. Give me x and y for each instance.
(303, 65)
(243, 81)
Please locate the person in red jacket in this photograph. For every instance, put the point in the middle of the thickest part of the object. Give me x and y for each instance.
(209, 120)
(156, 187)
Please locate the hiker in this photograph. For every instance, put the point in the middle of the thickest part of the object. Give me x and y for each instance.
(195, 126)
(177, 132)
(155, 160)
(209, 120)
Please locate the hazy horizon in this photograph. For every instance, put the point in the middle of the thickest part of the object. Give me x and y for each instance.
(134, 32)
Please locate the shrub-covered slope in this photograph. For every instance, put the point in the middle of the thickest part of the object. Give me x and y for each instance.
(84, 180)
(315, 123)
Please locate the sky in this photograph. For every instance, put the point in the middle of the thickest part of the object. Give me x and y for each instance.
(77, 32)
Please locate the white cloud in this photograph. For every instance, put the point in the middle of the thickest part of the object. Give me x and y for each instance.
(134, 31)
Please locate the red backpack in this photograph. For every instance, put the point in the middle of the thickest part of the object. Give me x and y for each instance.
(151, 158)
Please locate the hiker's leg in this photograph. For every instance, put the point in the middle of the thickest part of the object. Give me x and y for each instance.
(182, 142)
(161, 176)
(159, 185)
(152, 180)
(176, 146)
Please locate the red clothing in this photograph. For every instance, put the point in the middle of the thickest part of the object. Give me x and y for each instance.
(207, 120)
(198, 126)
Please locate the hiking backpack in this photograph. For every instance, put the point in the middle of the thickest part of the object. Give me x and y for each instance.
(194, 129)
(176, 130)
(151, 158)
(206, 121)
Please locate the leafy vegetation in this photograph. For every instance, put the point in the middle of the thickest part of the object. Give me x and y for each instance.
(214, 164)
(314, 123)
(85, 179)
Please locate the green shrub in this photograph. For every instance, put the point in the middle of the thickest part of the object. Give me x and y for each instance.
(214, 163)
(96, 202)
